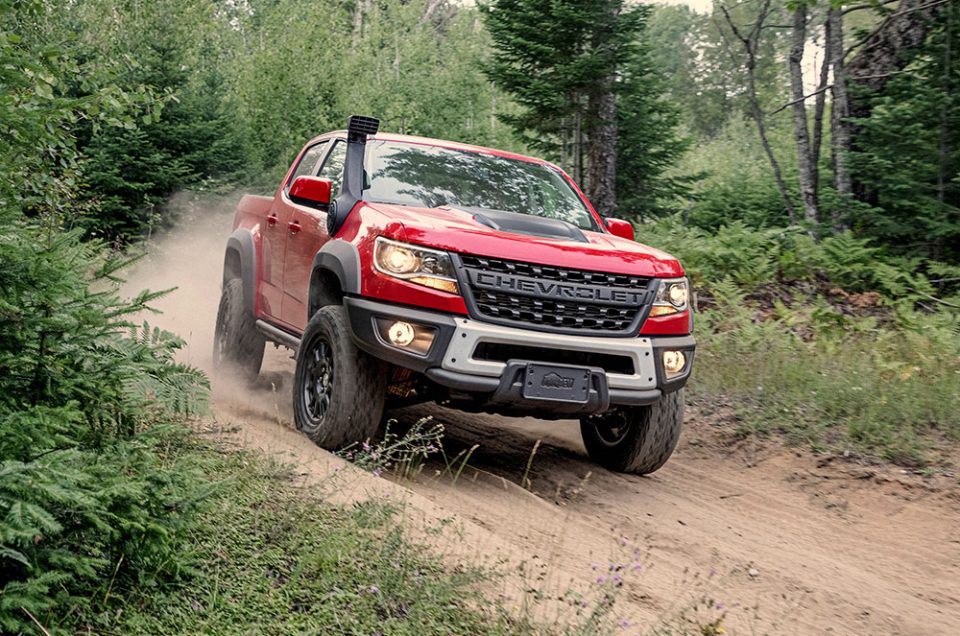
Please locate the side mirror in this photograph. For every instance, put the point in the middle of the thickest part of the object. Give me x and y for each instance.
(623, 229)
(312, 192)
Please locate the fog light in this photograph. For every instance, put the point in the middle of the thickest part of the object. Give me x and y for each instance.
(401, 333)
(673, 362)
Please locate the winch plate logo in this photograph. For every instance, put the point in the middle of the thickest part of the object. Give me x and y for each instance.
(557, 381)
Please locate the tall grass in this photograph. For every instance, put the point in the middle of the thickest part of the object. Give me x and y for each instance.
(833, 381)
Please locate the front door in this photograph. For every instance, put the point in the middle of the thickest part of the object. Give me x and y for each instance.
(276, 232)
(307, 234)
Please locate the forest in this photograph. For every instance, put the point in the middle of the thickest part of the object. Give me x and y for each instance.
(801, 158)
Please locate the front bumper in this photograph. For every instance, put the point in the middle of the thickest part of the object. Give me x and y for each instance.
(488, 361)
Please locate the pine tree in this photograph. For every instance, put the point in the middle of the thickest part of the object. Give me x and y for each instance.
(90, 479)
(908, 153)
(580, 73)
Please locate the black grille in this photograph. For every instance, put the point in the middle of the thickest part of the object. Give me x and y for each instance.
(614, 304)
(500, 352)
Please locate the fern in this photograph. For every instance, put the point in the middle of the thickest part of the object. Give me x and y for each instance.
(86, 403)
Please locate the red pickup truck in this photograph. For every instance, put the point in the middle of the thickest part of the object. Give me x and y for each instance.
(403, 269)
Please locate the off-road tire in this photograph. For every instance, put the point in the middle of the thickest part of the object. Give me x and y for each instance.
(237, 345)
(348, 409)
(649, 435)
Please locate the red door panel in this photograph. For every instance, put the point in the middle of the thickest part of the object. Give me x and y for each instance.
(274, 237)
(306, 234)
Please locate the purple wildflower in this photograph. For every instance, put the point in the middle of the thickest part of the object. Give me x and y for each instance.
(624, 623)
(373, 589)
(377, 471)
(719, 605)
(601, 579)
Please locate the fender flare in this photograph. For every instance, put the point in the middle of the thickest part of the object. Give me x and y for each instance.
(241, 243)
(341, 259)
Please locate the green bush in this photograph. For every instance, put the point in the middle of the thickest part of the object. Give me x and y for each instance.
(833, 381)
(752, 258)
(280, 560)
(834, 343)
(92, 490)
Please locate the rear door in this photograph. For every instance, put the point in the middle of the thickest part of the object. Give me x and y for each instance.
(307, 234)
(277, 229)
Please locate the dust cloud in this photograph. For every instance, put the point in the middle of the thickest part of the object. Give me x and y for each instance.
(188, 257)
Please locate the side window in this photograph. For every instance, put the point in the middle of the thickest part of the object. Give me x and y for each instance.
(308, 163)
(333, 167)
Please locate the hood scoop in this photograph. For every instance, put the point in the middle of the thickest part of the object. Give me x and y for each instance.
(515, 223)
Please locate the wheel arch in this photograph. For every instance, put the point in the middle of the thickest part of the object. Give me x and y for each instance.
(335, 273)
(240, 261)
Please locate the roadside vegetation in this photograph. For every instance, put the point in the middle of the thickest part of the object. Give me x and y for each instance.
(266, 555)
(834, 344)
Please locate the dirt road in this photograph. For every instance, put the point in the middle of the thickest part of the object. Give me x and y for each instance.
(780, 541)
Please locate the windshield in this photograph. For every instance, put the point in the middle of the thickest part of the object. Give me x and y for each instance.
(431, 177)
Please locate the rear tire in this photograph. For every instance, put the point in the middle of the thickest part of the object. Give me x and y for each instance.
(338, 390)
(635, 439)
(237, 345)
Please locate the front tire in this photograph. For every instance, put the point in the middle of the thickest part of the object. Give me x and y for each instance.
(237, 345)
(635, 439)
(338, 390)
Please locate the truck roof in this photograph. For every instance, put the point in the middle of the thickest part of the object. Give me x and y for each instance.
(442, 143)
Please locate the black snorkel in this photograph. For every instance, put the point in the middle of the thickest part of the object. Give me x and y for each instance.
(358, 127)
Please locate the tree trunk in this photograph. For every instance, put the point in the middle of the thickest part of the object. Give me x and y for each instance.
(820, 105)
(882, 54)
(357, 23)
(750, 48)
(944, 146)
(577, 141)
(943, 149)
(805, 163)
(601, 182)
(839, 112)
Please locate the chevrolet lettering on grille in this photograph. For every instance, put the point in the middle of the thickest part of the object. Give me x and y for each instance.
(526, 286)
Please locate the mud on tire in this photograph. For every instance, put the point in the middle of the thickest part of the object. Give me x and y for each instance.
(338, 390)
(636, 439)
(237, 345)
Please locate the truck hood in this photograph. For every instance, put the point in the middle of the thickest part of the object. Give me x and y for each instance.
(458, 230)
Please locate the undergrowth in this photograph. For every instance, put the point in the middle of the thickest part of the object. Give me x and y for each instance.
(830, 343)
(272, 557)
(92, 494)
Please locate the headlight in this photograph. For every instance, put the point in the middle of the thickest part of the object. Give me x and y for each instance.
(672, 297)
(420, 265)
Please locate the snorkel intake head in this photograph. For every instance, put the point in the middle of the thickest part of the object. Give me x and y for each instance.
(358, 128)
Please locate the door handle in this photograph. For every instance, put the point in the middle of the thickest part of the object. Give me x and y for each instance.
(272, 220)
(294, 227)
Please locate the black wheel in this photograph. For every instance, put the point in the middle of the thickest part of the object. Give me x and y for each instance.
(338, 390)
(237, 345)
(636, 439)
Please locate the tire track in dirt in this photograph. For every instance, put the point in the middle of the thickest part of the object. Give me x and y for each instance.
(815, 548)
